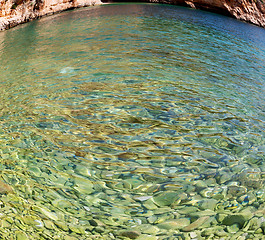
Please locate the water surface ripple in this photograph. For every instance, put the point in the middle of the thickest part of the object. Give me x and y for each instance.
(123, 118)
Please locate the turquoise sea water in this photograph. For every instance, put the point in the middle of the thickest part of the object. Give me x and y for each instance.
(132, 121)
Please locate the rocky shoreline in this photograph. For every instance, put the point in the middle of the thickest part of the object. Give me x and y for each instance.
(14, 12)
(244, 10)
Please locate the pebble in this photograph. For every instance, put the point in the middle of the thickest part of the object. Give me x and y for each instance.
(148, 229)
(208, 204)
(62, 226)
(238, 218)
(233, 228)
(149, 204)
(130, 234)
(193, 234)
(165, 198)
(21, 236)
(96, 222)
(5, 188)
(147, 237)
(67, 237)
(174, 224)
(200, 185)
(49, 214)
(196, 224)
(211, 230)
(77, 229)
(48, 224)
(187, 210)
(204, 213)
(142, 198)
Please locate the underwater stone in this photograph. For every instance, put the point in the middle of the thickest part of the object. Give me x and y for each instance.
(200, 185)
(224, 178)
(196, 224)
(232, 219)
(221, 233)
(259, 230)
(233, 228)
(149, 229)
(165, 198)
(50, 215)
(21, 236)
(187, 210)
(5, 188)
(204, 213)
(48, 224)
(174, 224)
(220, 217)
(69, 238)
(236, 190)
(152, 219)
(262, 226)
(132, 183)
(62, 226)
(208, 204)
(162, 218)
(99, 229)
(239, 218)
(149, 204)
(147, 237)
(193, 235)
(211, 182)
(211, 230)
(130, 234)
(77, 229)
(142, 198)
(29, 220)
(96, 222)
(162, 210)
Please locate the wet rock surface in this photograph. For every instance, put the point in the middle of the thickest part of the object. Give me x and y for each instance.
(14, 12)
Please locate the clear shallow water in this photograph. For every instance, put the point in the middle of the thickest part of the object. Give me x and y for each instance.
(136, 117)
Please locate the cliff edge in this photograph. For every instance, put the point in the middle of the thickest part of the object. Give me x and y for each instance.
(14, 12)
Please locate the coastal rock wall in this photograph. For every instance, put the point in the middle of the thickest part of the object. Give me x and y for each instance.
(252, 11)
(14, 12)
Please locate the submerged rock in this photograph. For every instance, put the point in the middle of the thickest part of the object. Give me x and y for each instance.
(165, 198)
(238, 218)
(130, 234)
(196, 224)
(5, 188)
(208, 204)
(174, 224)
(21, 236)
